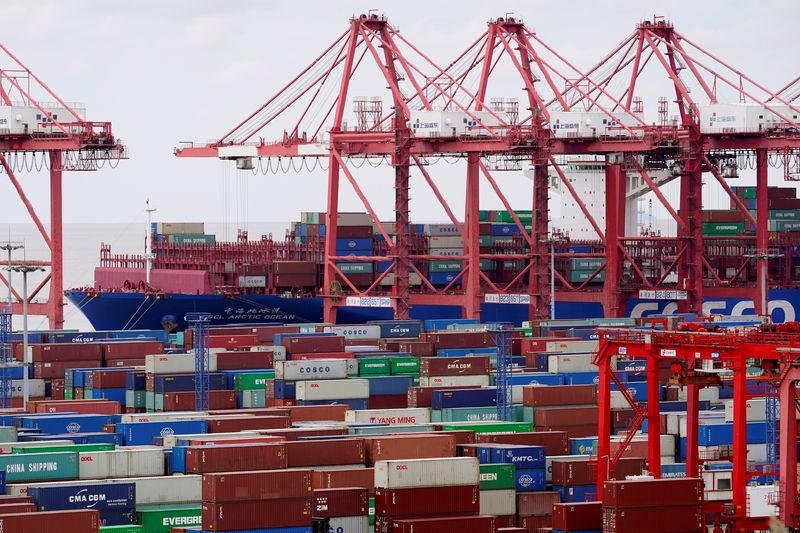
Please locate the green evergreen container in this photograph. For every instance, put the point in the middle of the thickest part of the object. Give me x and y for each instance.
(163, 519)
(55, 466)
(372, 511)
(123, 529)
(378, 366)
(490, 427)
(497, 477)
(97, 447)
(404, 365)
(252, 381)
(723, 229)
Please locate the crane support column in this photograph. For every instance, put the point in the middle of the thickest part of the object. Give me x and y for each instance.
(472, 250)
(692, 423)
(690, 270)
(56, 298)
(604, 421)
(402, 161)
(762, 240)
(739, 436)
(788, 512)
(329, 273)
(615, 228)
(538, 278)
(653, 418)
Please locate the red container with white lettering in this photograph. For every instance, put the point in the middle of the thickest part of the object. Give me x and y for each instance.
(232, 341)
(344, 477)
(453, 366)
(345, 501)
(462, 524)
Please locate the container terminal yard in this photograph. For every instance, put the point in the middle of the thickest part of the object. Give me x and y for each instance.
(488, 374)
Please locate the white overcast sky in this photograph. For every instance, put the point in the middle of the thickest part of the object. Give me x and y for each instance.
(169, 71)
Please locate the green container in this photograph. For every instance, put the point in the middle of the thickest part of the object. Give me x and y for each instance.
(163, 519)
(372, 511)
(488, 265)
(69, 393)
(783, 225)
(490, 427)
(579, 276)
(748, 193)
(352, 267)
(254, 399)
(472, 414)
(587, 263)
(97, 447)
(150, 400)
(40, 466)
(387, 430)
(158, 402)
(497, 477)
(88, 394)
(783, 214)
(253, 381)
(135, 399)
(415, 382)
(8, 434)
(123, 529)
(192, 238)
(404, 365)
(445, 266)
(723, 228)
(374, 367)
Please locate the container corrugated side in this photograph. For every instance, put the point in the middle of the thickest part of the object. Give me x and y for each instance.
(334, 389)
(348, 524)
(454, 381)
(175, 363)
(296, 370)
(389, 416)
(40, 466)
(260, 485)
(427, 472)
(163, 519)
(100, 496)
(161, 490)
(498, 502)
(134, 462)
(83, 521)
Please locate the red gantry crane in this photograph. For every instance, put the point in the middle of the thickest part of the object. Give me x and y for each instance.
(39, 131)
(465, 112)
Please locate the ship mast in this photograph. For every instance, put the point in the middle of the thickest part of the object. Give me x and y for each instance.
(148, 245)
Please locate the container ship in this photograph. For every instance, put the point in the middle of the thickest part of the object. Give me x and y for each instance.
(271, 280)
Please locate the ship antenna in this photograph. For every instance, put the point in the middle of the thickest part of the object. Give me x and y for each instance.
(148, 245)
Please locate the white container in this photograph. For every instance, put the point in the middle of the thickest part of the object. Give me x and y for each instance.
(413, 279)
(710, 394)
(498, 502)
(454, 381)
(447, 472)
(758, 501)
(736, 118)
(389, 416)
(441, 229)
(756, 410)
(557, 364)
(349, 524)
(154, 417)
(446, 241)
(161, 490)
(36, 387)
(447, 252)
(252, 281)
(364, 331)
(278, 352)
(175, 363)
(565, 124)
(122, 462)
(333, 389)
(311, 369)
(170, 441)
(572, 346)
(352, 219)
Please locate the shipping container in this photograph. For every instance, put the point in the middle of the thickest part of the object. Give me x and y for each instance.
(132, 462)
(427, 473)
(453, 366)
(232, 516)
(647, 493)
(164, 519)
(263, 485)
(395, 447)
(81, 521)
(656, 519)
(536, 503)
(462, 524)
(344, 477)
(340, 502)
(99, 496)
(388, 416)
(395, 503)
(325, 452)
(497, 477)
(235, 457)
(578, 516)
(498, 502)
(334, 389)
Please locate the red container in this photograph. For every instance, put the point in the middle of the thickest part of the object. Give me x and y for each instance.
(454, 366)
(249, 360)
(652, 492)
(294, 280)
(346, 501)
(185, 401)
(250, 439)
(130, 350)
(683, 519)
(56, 369)
(348, 477)
(84, 407)
(554, 442)
(230, 516)
(353, 232)
(64, 352)
(536, 503)
(57, 389)
(322, 355)
(325, 452)
(109, 379)
(422, 396)
(11, 508)
(125, 362)
(232, 341)
(235, 457)
(310, 413)
(233, 424)
(294, 267)
(82, 521)
(416, 348)
(565, 416)
(399, 401)
(535, 523)
(571, 472)
(462, 524)
(460, 339)
(395, 503)
(292, 434)
(423, 446)
(577, 516)
(573, 432)
(8, 498)
(257, 485)
(314, 344)
(265, 334)
(559, 395)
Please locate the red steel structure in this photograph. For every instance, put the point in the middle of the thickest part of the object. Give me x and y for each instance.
(39, 131)
(697, 360)
(498, 136)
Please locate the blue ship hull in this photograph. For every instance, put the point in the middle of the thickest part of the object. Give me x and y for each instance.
(119, 311)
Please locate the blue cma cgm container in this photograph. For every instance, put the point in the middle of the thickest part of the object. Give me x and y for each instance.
(99, 496)
(143, 433)
(398, 329)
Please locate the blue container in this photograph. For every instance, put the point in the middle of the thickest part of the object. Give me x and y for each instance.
(521, 456)
(444, 278)
(637, 389)
(142, 433)
(178, 462)
(135, 381)
(284, 390)
(397, 329)
(358, 403)
(484, 454)
(582, 446)
(577, 493)
(461, 352)
(530, 479)
(537, 378)
(78, 337)
(674, 470)
(501, 230)
(445, 399)
(632, 366)
(140, 334)
(16, 419)
(185, 382)
(354, 244)
(79, 376)
(581, 378)
(442, 323)
(716, 434)
(114, 394)
(71, 423)
(389, 385)
(100, 496)
(118, 517)
(2, 481)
